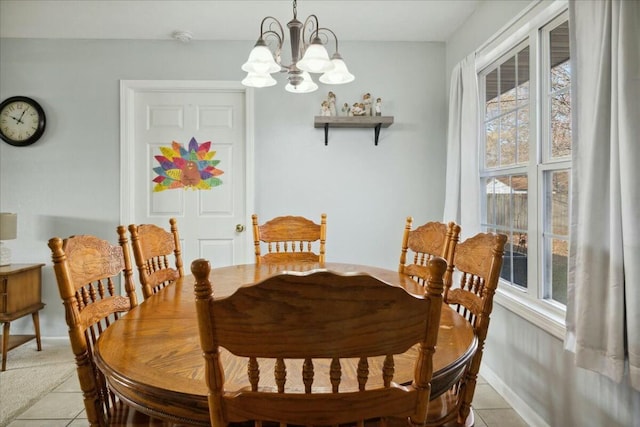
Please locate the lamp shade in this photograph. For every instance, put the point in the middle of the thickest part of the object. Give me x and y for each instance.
(8, 226)
(315, 59)
(339, 75)
(307, 85)
(261, 61)
(258, 80)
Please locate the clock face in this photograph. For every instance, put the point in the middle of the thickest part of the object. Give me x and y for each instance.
(22, 121)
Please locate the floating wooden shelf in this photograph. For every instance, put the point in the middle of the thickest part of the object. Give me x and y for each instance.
(375, 122)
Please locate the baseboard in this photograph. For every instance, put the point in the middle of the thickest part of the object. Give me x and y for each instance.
(518, 405)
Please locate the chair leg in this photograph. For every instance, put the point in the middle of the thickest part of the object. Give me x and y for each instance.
(471, 419)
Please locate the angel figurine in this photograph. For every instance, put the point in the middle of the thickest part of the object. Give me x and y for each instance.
(378, 107)
(332, 104)
(324, 109)
(366, 101)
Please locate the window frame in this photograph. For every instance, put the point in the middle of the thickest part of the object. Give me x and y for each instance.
(532, 29)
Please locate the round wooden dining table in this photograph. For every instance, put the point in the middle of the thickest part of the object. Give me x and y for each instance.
(151, 357)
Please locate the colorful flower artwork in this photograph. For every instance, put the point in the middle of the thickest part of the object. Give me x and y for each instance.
(192, 168)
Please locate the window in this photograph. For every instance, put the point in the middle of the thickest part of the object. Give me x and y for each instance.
(525, 167)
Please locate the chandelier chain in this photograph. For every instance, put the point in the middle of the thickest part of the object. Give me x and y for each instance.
(295, 9)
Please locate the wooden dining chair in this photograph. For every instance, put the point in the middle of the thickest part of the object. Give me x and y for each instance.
(153, 248)
(433, 239)
(309, 322)
(89, 272)
(290, 239)
(477, 263)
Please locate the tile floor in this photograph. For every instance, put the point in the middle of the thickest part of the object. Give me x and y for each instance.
(63, 408)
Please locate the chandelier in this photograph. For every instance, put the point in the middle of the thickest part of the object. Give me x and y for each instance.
(263, 61)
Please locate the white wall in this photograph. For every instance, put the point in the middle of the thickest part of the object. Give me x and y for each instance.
(68, 182)
(526, 364)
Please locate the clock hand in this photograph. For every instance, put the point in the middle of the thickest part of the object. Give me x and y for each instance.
(21, 115)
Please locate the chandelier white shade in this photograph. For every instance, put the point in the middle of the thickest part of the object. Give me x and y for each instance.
(339, 74)
(316, 59)
(308, 55)
(261, 61)
(258, 80)
(307, 85)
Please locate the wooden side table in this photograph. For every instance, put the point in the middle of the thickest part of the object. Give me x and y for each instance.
(20, 294)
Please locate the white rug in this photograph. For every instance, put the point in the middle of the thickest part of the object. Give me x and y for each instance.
(31, 374)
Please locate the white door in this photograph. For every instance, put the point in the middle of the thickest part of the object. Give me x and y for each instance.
(185, 152)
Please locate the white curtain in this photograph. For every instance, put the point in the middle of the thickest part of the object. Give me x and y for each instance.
(603, 307)
(462, 197)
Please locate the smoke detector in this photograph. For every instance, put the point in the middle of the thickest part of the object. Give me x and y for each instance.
(183, 36)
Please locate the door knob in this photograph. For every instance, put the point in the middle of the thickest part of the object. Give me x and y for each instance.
(239, 228)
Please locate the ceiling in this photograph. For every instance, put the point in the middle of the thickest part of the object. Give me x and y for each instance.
(371, 20)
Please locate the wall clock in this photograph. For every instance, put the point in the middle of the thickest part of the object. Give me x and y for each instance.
(22, 121)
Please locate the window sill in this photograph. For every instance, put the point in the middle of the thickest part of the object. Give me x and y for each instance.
(539, 313)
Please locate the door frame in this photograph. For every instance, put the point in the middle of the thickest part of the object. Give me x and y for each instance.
(128, 90)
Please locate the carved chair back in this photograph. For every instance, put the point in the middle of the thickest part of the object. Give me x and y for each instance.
(291, 320)
(477, 264)
(88, 272)
(289, 239)
(153, 249)
(433, 239)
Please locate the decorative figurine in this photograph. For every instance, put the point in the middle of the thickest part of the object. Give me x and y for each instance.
(346, 110)
(332, 104)
(324, 111)
(366, 100)
(378, 107)
(358, 109)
